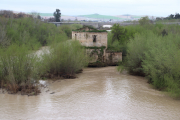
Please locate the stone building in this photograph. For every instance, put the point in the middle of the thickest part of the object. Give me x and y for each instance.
(96, 43)
(90, 37)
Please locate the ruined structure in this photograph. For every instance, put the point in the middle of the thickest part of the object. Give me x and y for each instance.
(89, 37)
(95, 41)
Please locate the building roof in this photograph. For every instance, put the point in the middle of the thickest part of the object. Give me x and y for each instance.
(86, 28)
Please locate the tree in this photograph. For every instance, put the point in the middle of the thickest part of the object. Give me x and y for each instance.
(35, 15)
(57, 15)
(177, 16)
(119, 33)
(158, 19)
(171, 16)
(144, 21)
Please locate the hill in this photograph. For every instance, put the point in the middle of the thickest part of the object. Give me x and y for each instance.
(97, 16)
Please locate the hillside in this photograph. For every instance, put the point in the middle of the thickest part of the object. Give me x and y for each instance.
(94, 17)
(97, 16)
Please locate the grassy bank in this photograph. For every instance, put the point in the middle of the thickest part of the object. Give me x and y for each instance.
(20, 68)
(154, 52)
(64, 59)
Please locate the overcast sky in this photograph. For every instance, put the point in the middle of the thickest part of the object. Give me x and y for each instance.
(104, 7)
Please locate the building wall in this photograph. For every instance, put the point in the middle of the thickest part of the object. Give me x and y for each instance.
(86, 38)
(113, 57)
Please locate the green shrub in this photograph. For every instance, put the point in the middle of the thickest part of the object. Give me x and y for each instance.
(76, 26)
(144, 21)
(161, 63)
(136, 49)
(64, 58)
(67, 29)
(156, 57)
(17, 67)
(29, 31)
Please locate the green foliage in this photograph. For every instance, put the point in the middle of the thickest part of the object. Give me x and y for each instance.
(156, 56)
(21, 31)
(64, 58)
(29, 31)
(91, 29)
(119, 33)
(171, 17)
(67, 29)
(119, 37)
(76, 26)
(57, 15)
(161, 63)
(17, 66)
(136, 48)
(97, 50)
(144, 21)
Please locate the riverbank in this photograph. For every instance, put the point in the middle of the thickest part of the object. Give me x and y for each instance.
(97, 93)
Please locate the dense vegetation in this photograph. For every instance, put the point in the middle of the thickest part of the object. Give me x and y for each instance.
(29, 31)
(153, 51)
(64, 59)
(171, 17)
(20, 67)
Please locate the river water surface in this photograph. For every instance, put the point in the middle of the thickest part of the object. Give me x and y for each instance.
(97, 93)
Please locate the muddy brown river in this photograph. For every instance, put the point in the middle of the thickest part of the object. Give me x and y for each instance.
(97, 94)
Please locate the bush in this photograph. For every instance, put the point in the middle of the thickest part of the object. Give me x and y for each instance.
(65, 59)
(113, 46)
(161, 63)
(67, 29)
(136, 49)
(29, 31)
(156, 57)
(17, 68)
(144, 21)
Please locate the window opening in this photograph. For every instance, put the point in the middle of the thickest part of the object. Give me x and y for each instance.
(94, 38)
(75, 37)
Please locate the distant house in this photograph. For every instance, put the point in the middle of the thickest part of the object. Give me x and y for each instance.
(107, 26)
(95, 42)
(89, 36)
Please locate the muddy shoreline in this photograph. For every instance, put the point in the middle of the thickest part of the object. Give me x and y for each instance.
(96, 93)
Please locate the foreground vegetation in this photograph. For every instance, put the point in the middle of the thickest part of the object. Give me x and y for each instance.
(149, 50)
(20, 67)
(153, 51)
(18, 70)
(64, 59)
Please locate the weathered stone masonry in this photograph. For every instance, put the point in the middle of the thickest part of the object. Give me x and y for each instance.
(90, 37)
